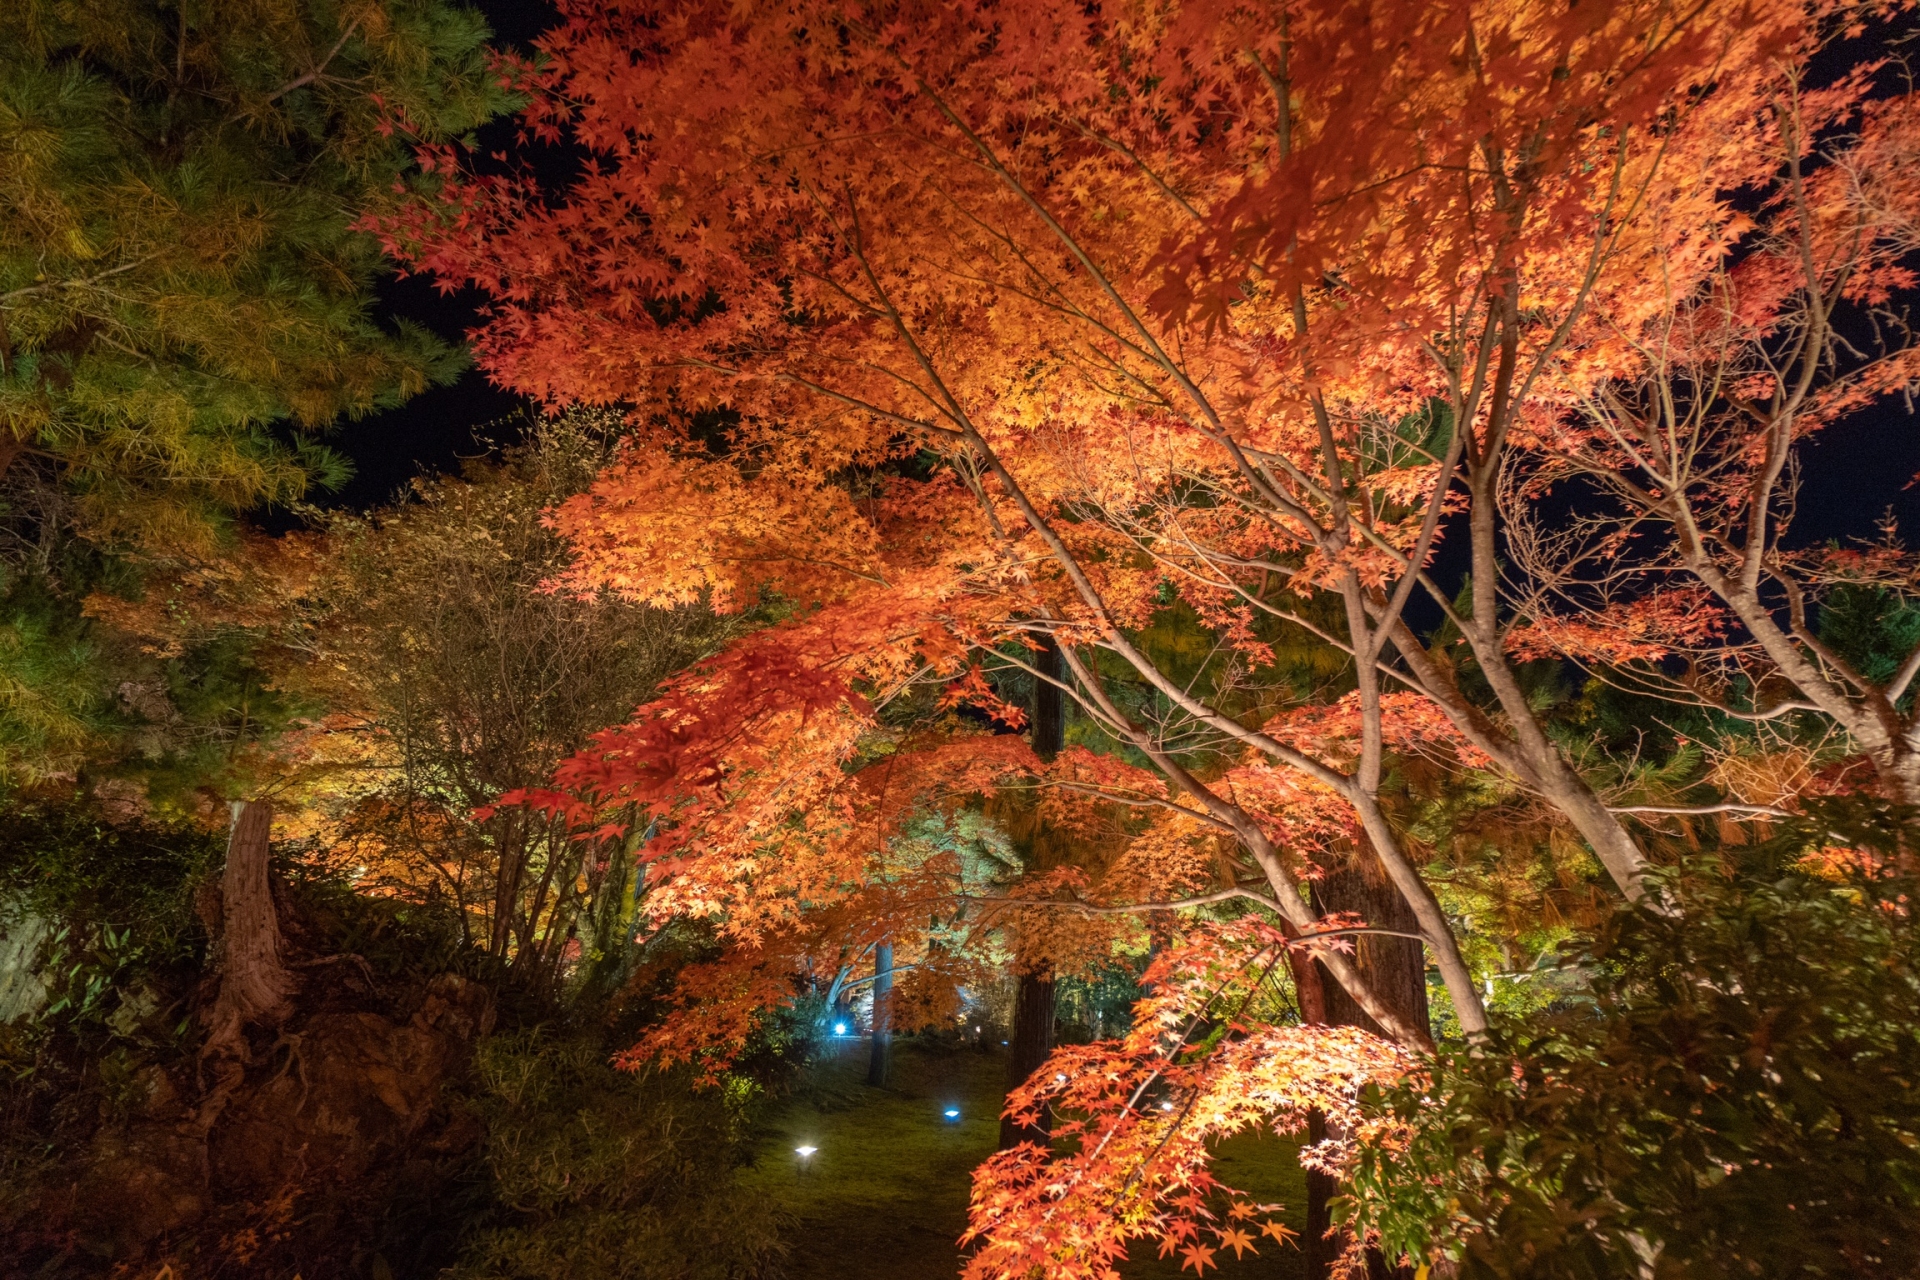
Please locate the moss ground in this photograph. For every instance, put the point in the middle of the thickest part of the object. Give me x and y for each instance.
(885, 1195)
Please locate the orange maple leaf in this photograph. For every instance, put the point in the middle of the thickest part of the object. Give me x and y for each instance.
(1237, 1240)
(1199, 1257)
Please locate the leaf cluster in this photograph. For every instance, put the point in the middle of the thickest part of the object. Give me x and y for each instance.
(178, 269)
(1736, 1096)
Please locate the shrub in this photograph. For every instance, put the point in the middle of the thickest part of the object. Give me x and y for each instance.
(1739, 1096)
(600, 1175)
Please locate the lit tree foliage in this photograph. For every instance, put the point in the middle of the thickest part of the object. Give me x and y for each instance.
(177, 272)
(184, 304)
(1037, 323)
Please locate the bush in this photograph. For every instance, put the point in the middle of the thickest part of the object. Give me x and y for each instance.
(1741, 1095)
(600, 1175)
(116, 899)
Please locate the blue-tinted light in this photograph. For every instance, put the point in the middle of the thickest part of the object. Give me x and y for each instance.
(839, 1028)
(951, 1113)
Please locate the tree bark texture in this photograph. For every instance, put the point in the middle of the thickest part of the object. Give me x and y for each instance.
(1031, 1036)
(880, 1059)
(1049, 707)
(1031, 1043)
(254, 984)
(1396, 969)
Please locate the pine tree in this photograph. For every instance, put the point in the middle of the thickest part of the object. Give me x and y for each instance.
(185, 303)
(179, 273)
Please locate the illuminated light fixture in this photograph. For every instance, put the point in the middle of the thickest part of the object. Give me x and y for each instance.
(951, 1113)
(804, 1152)
(839, 1028)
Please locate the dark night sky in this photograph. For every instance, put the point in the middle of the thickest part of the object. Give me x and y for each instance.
(1853, 472)
(434, 430)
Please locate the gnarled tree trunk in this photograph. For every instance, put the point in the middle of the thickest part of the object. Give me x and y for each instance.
(254, 983)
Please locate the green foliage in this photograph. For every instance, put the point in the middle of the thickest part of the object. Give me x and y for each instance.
(596, 1174)
(1872, 628)
(1097, 1004)
(55, 694)
(60, 859)
(184, 304)
(440, 632)
(1740, 1095)
(117, 904)
(178, 268)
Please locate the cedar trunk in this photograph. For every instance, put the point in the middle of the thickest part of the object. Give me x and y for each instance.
(1032, 1042)
(1031, 1037)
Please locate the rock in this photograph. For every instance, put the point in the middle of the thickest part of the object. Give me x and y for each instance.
(23, 935)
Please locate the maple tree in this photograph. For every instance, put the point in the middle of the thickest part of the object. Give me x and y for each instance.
(1684, 584)
(450, 675)
(972, 332)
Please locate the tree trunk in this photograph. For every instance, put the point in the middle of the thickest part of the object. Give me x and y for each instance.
(1032, 1042)
(1899, 772)
(880, 1060)
(1317, 1249)
(1049, 707)
(1031, 1035)
(506, 882)
(1320, 1245)
(254, 984)
(1396, 969)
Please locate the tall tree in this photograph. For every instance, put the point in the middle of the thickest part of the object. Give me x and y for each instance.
(1682, 581)
(179, 275)
(1030, 1038)
(185, 305)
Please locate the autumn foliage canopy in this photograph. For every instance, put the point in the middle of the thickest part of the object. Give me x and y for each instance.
(971, 330)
